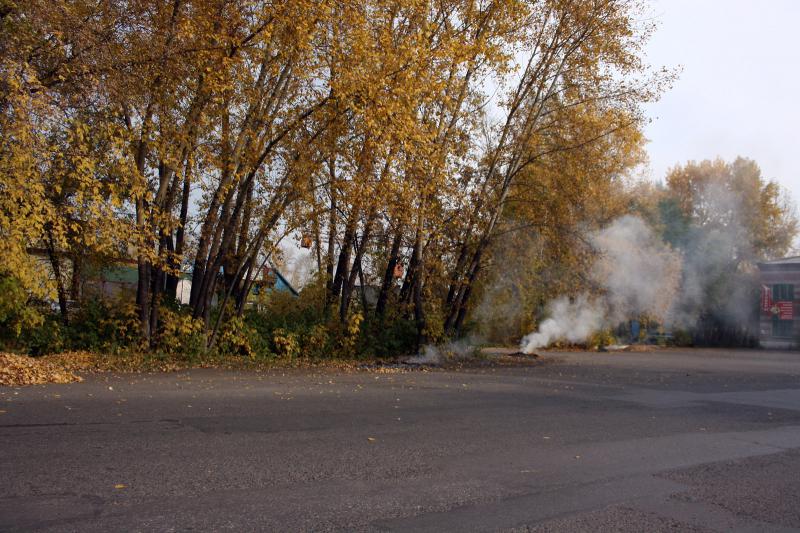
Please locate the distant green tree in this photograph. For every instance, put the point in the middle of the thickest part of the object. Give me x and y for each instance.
(725, 217)
(734, 199)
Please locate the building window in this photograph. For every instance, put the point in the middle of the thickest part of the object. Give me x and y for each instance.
(781, 328)
(782, 292)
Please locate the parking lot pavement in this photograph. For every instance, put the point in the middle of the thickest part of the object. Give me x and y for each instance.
(690, 440)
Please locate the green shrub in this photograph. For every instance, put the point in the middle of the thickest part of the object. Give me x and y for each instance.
(238, 337)
(391, 337)
(104, 326)
(286, 343)
(283, 325)
(349, 336)
(601, 338)
(18, 317)
(682, 338)
(180, 333)
(316, 342)
(301, 327)
(295, 326)
(49, 337)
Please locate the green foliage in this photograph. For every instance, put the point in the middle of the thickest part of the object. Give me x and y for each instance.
(349, 335)
(103, 326)
(17, 316)
(109, 327)
(317, 341)
(237, 337)
(674, 222)
(180, 333)
(286, 343)
(394, 336)
(682, 338)
(292, 327)
(602, 338)
(48, 337)
(301, 328)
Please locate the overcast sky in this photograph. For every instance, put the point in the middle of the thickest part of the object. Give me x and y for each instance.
(739, 90)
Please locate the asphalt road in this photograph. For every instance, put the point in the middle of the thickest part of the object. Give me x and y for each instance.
(666, 441)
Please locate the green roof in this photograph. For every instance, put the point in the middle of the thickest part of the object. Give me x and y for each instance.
(120, 274)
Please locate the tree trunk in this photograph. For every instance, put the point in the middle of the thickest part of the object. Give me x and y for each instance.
(458, 309)
(388, 276)
(143, 297)
(207, 230)
(55, 263)
(143, 281)
(347, 290)
(343, 264)
(464, 299)
(157, 275)
(211, 263)
(408, 282)
(76, 283)
(331, 236)
(419, 309)
(173, 279)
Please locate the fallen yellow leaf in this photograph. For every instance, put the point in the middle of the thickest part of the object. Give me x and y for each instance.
(119, 486)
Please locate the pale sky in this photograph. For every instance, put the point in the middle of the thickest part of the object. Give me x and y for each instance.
(739, 89)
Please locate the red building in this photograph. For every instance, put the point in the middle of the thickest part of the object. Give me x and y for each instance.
(778, 322)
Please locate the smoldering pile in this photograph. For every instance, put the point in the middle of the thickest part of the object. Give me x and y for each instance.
(636, 274)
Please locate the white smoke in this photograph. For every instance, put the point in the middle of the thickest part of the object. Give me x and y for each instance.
(714, 249)
(710, 284)
(452, 351)
(297, 264)
(431, 355)
(636, 273)
(573, 321)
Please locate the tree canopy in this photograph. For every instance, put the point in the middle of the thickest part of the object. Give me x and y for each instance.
(417, 147)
